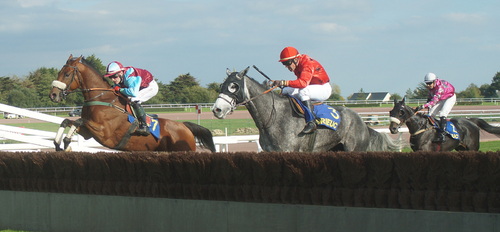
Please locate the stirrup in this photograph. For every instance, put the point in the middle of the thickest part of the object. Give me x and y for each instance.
(309, 128)
(142, 131)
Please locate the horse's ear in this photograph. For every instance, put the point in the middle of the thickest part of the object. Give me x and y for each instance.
(243, 73)
(395, 101)
(78, 59)
(404, 99)
(228, 72)
(70, 56)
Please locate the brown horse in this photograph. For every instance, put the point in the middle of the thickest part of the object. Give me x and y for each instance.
(105, 118)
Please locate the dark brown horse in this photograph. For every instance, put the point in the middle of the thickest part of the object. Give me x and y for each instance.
(422, 131)
(105, 118)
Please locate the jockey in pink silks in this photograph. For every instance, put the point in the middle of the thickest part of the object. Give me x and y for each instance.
(441, 100)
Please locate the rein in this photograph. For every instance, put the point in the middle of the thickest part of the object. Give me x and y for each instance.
(420, 131)
(65, 87)
(251, 99)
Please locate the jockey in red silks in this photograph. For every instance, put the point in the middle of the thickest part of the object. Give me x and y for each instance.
(135, 83)
(312, 83)
(441, 100)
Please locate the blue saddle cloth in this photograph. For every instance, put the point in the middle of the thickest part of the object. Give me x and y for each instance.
(153, 125)
(452, 130)
(325, 115)
(449, 129)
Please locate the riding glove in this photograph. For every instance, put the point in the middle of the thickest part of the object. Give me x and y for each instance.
(117, 89)
(280, 83)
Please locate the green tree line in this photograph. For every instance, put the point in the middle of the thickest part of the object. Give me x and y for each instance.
(32, 91)
(472, 91)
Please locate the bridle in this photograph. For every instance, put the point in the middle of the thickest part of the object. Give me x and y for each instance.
(241, 93)
(65, 91)
(421, 126)
(65, 88)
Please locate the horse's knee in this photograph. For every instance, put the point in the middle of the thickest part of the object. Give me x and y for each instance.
(66, 123)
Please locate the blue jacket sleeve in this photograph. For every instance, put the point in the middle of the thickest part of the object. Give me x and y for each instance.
(132, 83)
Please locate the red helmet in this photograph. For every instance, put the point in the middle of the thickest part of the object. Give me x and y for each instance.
(113, 68)
(288, 53)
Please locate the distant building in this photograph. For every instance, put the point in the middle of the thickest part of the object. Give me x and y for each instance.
(374, 96)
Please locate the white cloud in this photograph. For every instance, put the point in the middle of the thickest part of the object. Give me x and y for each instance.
(465, 18)
(329, 28)
(34, 3)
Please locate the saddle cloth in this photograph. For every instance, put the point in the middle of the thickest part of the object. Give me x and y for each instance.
(325, 115)
(449, 129)
(153, 125)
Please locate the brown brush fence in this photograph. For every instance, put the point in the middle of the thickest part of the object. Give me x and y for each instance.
(447, 181)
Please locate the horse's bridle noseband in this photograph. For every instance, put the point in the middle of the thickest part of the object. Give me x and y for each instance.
(63, 86)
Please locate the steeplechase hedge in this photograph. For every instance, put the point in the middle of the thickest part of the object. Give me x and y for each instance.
(445, 181)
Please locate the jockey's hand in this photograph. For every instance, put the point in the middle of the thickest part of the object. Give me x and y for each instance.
(418, 108)
(280, 83)
(117, 89)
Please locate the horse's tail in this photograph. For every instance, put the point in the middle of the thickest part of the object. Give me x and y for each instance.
(202, 134)
(383, 142)
(486, 126)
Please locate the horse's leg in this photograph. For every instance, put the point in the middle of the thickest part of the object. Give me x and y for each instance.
(67, 140)
(57, 140)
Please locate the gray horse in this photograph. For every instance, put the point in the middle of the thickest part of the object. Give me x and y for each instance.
(279, 126)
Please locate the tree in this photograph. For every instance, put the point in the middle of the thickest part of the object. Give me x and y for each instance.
(395, 96)
(470, 92)
(409, 94)
(198, 94)
(491, 91)
(421, 92)
(41, 80)
(23, 97)
(177, 90)
(214, 86)
(335, 94)
(8, 84)
(96, 63)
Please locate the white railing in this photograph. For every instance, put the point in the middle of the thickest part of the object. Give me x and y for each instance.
(36, 140)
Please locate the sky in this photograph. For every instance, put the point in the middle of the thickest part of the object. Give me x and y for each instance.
(368, 45)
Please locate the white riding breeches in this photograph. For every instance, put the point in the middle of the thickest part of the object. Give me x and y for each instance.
(443, 108)
(317, 93)
(146, 93)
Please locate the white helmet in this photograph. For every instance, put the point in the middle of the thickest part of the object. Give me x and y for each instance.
(113, 68)
(429, 77)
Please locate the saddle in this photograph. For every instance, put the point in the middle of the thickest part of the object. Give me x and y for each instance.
(149, 117)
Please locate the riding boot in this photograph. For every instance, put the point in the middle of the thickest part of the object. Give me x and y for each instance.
(441, 133)
(141, 116)
(310, 125)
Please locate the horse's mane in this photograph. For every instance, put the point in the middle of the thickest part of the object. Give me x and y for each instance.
(93, 68)
(85, 62)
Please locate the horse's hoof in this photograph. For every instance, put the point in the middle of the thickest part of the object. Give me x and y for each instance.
(68, 149)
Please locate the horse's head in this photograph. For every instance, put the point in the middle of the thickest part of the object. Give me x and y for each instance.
(232, 93)
(67, 79)
(399, 114)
